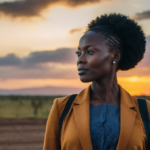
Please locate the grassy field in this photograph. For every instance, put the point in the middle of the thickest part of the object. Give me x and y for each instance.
(12, 107)
(25, 106)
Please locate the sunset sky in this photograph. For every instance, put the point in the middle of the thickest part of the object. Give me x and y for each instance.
(38, 40)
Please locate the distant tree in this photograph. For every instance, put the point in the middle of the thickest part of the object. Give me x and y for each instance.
(36, 103)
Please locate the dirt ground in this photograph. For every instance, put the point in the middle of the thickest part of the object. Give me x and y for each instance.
(22, 134)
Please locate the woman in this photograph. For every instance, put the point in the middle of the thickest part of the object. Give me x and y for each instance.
(103, 116)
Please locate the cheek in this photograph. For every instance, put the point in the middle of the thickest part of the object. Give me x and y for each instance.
(100, 65)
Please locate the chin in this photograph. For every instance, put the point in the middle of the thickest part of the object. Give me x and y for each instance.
(85, 80)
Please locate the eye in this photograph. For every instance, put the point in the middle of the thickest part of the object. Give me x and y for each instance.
(78, 53)
(90, 52)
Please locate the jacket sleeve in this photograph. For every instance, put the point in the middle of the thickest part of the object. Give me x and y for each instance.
(52, 137)
(148, 107)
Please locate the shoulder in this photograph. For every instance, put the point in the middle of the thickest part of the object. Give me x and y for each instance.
(135, 99)
(147, 102)
(60, 103)
(148, 107)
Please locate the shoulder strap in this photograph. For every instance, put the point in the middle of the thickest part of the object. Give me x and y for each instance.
(145, 117)
(66, 110)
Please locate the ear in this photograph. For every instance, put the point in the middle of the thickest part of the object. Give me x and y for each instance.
(116, 55)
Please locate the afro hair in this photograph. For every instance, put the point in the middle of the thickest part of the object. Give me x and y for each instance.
(131, 34)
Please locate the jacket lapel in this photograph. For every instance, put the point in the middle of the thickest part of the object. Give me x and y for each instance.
(81, 111)
(127, 119)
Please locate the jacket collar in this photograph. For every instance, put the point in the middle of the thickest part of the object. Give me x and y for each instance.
(81, 111)
(125, 97)
(84, 95)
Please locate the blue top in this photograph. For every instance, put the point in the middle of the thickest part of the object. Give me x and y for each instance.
(104, 126)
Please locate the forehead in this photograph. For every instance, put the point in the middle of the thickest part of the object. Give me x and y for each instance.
(92, 38)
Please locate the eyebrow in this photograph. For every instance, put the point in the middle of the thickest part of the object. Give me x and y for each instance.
(86, 47)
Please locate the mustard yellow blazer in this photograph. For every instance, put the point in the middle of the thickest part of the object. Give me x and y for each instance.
(75, 133)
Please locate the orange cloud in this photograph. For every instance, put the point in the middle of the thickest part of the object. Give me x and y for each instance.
(76, 30)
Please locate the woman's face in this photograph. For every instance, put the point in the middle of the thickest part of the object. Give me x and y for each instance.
(95, 59)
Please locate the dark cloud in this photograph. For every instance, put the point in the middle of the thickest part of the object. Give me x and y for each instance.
(58, 64)
(10, 59)
(31, 8)
(38, 72)
(143, 15)
(64, 56)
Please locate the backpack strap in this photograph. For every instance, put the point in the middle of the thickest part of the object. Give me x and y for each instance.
(66, 110)
(144, 114)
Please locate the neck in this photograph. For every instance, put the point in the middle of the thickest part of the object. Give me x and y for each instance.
(105, 91)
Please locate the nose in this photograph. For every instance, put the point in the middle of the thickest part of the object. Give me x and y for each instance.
(81, 59)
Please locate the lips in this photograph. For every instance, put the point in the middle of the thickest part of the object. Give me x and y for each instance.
(82, 71)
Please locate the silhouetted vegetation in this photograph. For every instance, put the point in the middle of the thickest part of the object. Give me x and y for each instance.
(36, 103)
(28, 106)
(25, 106)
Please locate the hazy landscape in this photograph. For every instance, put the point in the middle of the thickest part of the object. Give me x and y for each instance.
(23, 120)
(38, 40)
